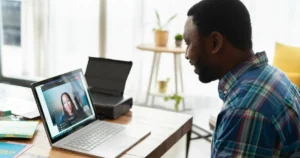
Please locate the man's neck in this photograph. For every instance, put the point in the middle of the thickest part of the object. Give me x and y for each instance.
(234, 59)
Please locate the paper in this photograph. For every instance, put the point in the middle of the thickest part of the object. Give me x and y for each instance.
(35, 152)
(17, 106)
(12, 150)
(30, 155)
(17, 129)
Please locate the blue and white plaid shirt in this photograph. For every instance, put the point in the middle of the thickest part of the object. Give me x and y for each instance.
(261, 113)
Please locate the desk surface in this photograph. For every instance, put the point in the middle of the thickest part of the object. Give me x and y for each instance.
(166, 129)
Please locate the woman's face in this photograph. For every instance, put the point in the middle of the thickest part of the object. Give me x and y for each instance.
(67, 104)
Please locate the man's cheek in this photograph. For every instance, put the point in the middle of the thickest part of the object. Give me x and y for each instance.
(194, 54)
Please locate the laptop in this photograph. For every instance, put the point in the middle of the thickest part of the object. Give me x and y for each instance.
(70, 121)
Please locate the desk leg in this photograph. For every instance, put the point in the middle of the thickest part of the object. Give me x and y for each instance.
(156, 66)
(175, 73)
(151, 78)
(181, 79)
(188, 140)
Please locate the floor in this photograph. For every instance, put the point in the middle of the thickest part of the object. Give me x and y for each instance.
(198, 149)
(201, 148)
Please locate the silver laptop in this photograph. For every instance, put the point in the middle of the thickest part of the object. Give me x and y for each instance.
(70, 121)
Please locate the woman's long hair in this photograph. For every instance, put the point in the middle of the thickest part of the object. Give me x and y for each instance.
(72, 104)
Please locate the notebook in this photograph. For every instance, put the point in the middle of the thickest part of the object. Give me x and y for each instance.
(12, 150)
(17, 129)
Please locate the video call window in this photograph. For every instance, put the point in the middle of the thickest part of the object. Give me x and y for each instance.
(67, 102)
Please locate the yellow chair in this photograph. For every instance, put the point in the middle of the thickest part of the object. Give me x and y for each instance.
(287, 58)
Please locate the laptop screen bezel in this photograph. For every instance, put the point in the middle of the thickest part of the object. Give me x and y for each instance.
(33, 87)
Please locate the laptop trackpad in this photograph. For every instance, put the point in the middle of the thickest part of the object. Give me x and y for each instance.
(115, 146)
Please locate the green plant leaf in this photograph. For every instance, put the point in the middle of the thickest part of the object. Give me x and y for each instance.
(167, 23)
(167, 80)
(173, 97)
(179, 37)
(158, 20)
(176, 98)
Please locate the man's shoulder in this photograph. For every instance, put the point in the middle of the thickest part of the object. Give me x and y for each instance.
(265, 90)
(264, 77)
(266, 82)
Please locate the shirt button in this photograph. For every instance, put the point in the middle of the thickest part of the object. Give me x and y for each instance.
(225, 92)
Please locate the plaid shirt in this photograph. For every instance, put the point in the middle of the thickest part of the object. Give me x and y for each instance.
(261, 113)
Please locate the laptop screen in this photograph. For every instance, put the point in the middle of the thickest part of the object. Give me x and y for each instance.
(65, 103)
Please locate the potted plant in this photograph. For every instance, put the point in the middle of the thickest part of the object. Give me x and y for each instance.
(178, 40)
(160, 32)
(163, 85)
(176, 98)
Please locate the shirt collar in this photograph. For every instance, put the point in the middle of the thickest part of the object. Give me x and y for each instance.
(228, 81)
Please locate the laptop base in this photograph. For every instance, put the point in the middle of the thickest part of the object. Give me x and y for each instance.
(112, 147)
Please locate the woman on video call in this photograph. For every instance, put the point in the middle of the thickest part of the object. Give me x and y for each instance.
(71, 114)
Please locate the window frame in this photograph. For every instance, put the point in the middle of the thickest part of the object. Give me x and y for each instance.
(11, 80)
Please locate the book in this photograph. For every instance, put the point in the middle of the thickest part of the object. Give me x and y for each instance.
(10, 118)
(12, 150)
(5, 113)
(17, 129)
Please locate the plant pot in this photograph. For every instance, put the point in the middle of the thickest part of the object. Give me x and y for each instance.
(178, 43)
(161, 38)
(162, 86)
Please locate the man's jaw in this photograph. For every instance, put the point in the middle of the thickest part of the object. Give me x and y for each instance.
(196, 70)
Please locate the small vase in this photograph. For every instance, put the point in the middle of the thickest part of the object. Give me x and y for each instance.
(161, 38)
(162, 86)
(178, 43)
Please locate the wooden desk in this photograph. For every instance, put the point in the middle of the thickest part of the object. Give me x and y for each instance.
(166, 129)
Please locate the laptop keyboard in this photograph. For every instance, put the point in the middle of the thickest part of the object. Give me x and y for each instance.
(95, 136)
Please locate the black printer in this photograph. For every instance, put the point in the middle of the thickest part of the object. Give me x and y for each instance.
(106, 79)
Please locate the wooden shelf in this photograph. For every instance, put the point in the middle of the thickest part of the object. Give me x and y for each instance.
(164, 94)
(167, 49)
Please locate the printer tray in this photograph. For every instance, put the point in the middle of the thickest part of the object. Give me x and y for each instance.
(109, 106)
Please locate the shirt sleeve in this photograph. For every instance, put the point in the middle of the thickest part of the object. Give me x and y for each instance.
(245, 133)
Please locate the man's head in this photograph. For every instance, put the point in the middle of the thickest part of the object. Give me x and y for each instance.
(217, 31)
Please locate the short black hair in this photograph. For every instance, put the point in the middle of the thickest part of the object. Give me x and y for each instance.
(229, 17)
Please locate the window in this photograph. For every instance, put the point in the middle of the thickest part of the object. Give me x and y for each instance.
(11, 11)
(13, 57)
(43, 38)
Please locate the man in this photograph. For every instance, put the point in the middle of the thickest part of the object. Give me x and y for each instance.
(261, 113)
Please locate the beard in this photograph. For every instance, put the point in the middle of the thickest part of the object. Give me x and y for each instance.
(206, 72)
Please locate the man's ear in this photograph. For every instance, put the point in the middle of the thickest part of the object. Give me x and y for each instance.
(217, 42)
